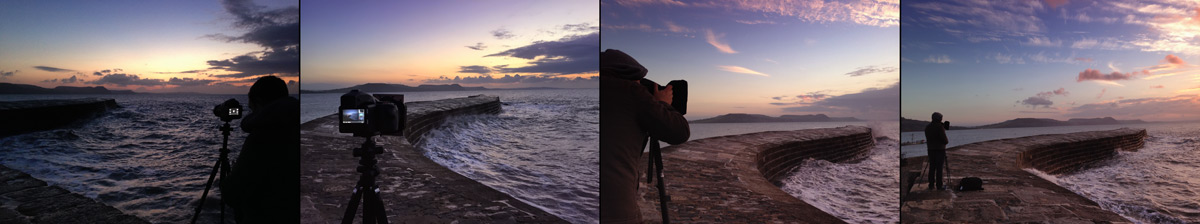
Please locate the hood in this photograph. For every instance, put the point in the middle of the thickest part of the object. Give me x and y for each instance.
(615, 63)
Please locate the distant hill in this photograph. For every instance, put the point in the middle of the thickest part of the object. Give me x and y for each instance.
(12, 88)
(385, 87)
(759, 118)
(916, 125)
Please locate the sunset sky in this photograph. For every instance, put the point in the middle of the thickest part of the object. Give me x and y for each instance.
(499, 44)
(766, 57)
(981, 62)
(149, 46)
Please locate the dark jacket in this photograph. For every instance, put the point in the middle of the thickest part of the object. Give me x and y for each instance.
(264, 184)
(935, 135)
(628, 115)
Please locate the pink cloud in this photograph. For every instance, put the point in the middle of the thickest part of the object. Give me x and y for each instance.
(716, 41)
(1102, 91)
(1156, 87)
(1056, 3)
(1174, 60)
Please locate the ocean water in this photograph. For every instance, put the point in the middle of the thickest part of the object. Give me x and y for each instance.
(149, 158)
(543, 149)
(1160, 183)
(863, 192)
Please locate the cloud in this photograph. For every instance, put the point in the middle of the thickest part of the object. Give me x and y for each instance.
(507, 79)
(1088, 43)
(802, 99)
(637, 3)
(942, 59)
(742, 70)
(580, 28)
(277, 30)
(122, 79)
(674, 28)
(1058, 92)
(52, 69)
(569, 55)
(1092, 74)
(1000, 19)
(871, 70)
(474, 69)
(871, 103)
(1055, 3)
(1172, 59)
(1178, 107)
(1042, 42)
(1034, 102)
(716, 41)
(6, 74)
(73, 79)
(190, 81)
(877, 13)
(478, 46)
(502, 34)
(1102, 91)
(1156, 87)
(755, 22)
(1080, 59)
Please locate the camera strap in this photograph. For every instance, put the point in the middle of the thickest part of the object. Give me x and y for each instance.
(654, 168)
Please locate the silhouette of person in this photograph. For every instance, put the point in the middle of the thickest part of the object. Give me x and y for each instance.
(264, 184)
(935, 141)
(631, 113)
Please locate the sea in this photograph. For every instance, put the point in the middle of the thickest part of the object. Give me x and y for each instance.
(862, 192)
(150, 157)
(1160, 183)
(543, 149)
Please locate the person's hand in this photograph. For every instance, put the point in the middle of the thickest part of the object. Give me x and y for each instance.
(665, 95)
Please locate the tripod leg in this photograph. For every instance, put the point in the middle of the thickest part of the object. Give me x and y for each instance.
(369, 205)
(208, 186)
(380, 213)
(348, 218)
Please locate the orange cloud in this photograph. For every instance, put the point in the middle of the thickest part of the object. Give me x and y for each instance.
(716, 41)
(740, 69)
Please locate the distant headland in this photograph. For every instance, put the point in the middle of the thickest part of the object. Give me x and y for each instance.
(907, 125)
(13, 88)
(387, 87)
(759, 118)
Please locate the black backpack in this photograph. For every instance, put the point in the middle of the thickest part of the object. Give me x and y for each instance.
(970, 184)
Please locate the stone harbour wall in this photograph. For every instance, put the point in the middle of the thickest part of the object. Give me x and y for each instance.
(35, 115)
(775, 161)
(426, 115)
(1074, 154)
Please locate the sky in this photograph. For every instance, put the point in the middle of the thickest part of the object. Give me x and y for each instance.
(149, 46)
(838, 58)
(982, 62)
(495, 44)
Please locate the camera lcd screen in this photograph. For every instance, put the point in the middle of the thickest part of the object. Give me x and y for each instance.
(234, 111)
(353, 116)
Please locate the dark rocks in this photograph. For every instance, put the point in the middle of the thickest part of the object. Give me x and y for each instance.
(35, 115)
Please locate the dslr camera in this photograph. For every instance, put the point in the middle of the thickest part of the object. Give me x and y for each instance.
(366, 115)
(679, 98)
(228, 110)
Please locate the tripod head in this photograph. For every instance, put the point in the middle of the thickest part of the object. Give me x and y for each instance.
(366, 190)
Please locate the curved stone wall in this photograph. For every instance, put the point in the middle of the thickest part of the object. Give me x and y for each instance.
(730, 178)
(1073, 154)
(774, 161)
(36, 115)
(426, 115)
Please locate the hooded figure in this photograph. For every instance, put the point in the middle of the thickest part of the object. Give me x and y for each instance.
(264, 184)
(935, 141)
(629, 116)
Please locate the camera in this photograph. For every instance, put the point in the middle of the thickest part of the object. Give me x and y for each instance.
(228, 110)
(366, 115)
(679, 98)
(946, 125)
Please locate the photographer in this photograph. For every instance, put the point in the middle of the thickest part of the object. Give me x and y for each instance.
(630, 115)
(935, 141)
(263, 185)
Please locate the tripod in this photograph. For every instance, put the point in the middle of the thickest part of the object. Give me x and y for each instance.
(655, 167)
(373, 210)
(223, 160)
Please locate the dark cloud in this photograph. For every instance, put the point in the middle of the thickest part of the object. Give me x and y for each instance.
(1178, 107)
(1058, 92)
(189, 81)
(487, 79)
(184, 72)
(1035, 101)
(73, 79)
(122, 79)
(276, 30)
(801, 99)
(871, 70)
(582, 27)
(474, 69)
(6, 74)
(502, 34)
(871, 103)
(1092, 74)
(478, 47)
(52, 69)
(569, 55)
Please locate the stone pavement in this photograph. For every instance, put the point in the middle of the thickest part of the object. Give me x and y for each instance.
(414, 188)
(24, 199)
(729, 179)
(1011, 194)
